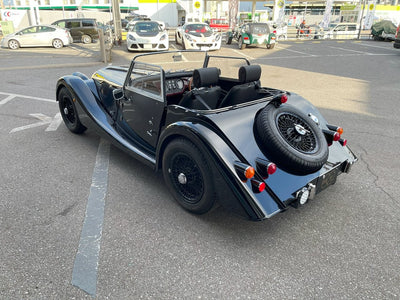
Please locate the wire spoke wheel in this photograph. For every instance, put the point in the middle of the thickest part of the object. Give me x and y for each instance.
(297, 133)
(291, 139)
(188, 175)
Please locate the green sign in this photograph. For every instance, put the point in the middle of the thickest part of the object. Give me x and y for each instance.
(7, 27)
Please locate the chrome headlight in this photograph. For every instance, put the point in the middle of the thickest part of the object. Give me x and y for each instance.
(163, 37)
(217, 37)
(131, 37)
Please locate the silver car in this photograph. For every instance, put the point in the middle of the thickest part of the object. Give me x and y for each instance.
(34, 36)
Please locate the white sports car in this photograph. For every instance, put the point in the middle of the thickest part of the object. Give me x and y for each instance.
(198, 36)
(147, 36)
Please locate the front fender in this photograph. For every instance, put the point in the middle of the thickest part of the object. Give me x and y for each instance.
(85, 95)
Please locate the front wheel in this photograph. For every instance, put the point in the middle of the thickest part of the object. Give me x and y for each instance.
(57, 43)
(188, 176)
(68, 111)
(229, 40)
(13, 44)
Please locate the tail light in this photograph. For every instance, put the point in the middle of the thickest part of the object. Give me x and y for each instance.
(335, 128)
(244, 171)
(265, 167)
(246, 38)
(343, 142)
(331, 136)
(257, 186)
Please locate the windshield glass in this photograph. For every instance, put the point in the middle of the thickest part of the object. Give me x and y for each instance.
(198, 29)
(259, 28)
(187, 61)
(145, 28)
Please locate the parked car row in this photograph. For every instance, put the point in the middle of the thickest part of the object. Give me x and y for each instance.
(59, 34)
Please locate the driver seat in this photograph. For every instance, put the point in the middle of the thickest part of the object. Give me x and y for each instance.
(206, 94)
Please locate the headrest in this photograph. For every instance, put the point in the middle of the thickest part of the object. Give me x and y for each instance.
(205, 77)
(249, 73)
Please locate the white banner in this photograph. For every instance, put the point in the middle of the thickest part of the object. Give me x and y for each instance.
(327, 14)
(279, 11)
(369, 17)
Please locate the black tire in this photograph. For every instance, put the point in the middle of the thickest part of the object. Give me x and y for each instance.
(176, 39)
(68, 111)
(86, 39)
(183, 44)
(241, 44)
(188, 176)
(291, 139)
(57, 43)
(270, 46)
(13, 44)
(229, 40)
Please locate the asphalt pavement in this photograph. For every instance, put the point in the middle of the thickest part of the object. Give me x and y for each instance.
(344, 244)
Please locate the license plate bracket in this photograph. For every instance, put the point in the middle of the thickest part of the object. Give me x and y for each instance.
(327, 179)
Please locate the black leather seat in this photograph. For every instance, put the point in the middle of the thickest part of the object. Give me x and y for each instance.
(206, 94)
(247, 90)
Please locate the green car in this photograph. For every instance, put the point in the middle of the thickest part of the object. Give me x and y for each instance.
(255, 34)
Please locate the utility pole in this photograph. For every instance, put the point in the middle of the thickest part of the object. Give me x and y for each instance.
(362, 5)
(117, 21)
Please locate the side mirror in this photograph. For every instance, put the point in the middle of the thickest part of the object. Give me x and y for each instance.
(118, 94)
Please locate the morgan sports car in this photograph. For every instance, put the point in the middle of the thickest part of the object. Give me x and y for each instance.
(252, 34)
(216, 138)
(146, 36)
(198, 36)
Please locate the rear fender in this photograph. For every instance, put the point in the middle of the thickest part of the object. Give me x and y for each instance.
(233, 194)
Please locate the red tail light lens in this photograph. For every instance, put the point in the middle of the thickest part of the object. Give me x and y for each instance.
(343, 142)
(284, 98)
(336, 136)
(246, 38)
(271, 168)
(257, 186)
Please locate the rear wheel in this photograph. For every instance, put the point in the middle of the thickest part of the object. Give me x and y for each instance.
(188, 176)
(13, 44)
(68, 111)
(270, 46)
(86, 39)
(57, 43)
(229, 40)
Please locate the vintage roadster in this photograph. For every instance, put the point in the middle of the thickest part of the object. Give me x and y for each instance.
(216, 138)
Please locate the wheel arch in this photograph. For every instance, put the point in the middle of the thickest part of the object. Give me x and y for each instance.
(236, 201)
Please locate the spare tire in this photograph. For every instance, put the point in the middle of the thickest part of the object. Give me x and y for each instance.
(290, 139)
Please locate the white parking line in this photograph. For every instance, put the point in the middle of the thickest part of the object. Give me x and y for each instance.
(84, 273)
(303, 53)
(351, 50)
(12, 96)
(9, 98)
(242, 54)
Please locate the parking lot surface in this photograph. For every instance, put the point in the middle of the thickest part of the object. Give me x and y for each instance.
(343, 244)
